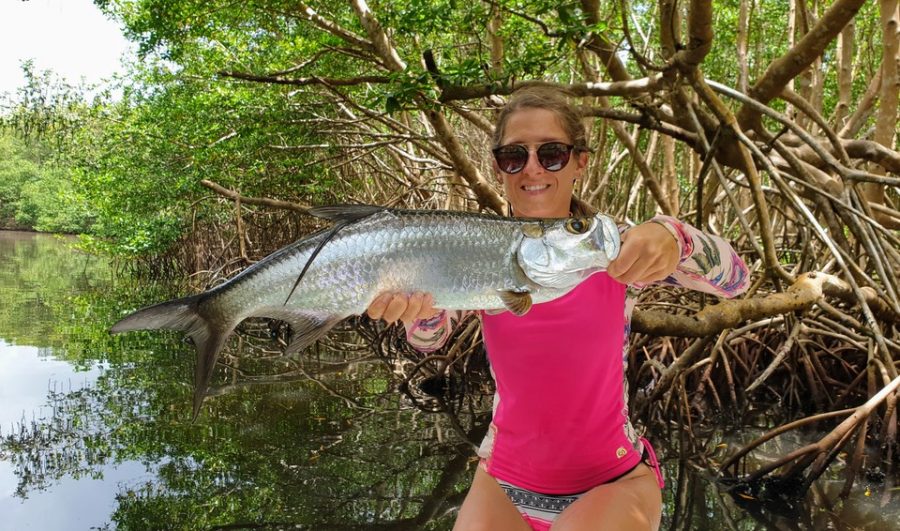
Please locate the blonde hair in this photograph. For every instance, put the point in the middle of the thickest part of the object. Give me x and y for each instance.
(570, 118)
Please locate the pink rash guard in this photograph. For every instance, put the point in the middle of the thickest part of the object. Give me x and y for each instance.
(557, 430)
(560, 422)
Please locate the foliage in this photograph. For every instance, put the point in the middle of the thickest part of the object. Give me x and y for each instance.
(15, 172)
(38, 142)
(390, 102)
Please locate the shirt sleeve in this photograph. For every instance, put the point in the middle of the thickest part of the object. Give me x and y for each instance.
(708, 263)
(429, 335)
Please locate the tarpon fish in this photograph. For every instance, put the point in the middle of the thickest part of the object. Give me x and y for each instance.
(466, 261)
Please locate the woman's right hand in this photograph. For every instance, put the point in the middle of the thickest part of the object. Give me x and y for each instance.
(407, 307)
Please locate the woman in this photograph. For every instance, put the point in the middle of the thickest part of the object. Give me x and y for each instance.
(561, 450)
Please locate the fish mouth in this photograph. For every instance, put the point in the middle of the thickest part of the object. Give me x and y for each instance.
(605, 237)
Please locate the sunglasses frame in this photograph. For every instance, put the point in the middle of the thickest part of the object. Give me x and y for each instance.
(570, 149)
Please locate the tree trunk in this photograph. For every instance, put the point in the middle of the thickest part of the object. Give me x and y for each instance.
(669, 27)
(845, 75)
(496, 40)
(742, 40)
(863, 108)
(669, 175)
(886, 120)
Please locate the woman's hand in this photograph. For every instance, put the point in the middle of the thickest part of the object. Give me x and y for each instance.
(649, 252)
(407, 307)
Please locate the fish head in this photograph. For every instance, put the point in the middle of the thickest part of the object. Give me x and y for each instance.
(560, 253)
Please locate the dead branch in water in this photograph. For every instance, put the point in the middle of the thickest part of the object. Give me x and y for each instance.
(804, 465)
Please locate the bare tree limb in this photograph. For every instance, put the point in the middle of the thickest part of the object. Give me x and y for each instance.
(321, 22)
(601, 46)
(379, 39)
(700, 35)
(863, 109)
(806, 291)
(304, 81)
(632, 87)
(261, 201)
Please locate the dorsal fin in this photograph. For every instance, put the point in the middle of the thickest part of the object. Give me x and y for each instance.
(332, 232)
(344, 213)
(518, 301)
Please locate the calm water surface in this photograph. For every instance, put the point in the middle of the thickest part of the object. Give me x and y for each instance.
(95, 431)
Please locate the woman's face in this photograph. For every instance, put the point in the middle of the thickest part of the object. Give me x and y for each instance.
(536, 192)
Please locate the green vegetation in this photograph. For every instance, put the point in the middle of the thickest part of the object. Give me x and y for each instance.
(291, 101)
(37, 194)
(38, 149)
(231, 105)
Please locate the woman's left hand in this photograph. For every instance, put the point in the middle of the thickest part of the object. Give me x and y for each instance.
(649, 252)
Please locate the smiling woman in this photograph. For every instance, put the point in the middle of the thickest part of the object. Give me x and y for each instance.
(535, 190)
(561, 449)
(540, 185)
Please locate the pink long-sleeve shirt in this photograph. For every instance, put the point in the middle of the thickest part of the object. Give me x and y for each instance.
(560, 423)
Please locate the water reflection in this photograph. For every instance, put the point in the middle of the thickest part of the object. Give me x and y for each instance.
(321, 441)
(21, 368)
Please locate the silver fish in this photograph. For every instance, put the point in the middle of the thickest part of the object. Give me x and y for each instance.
(466, 261)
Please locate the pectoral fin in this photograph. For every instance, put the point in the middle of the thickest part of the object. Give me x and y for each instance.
(518, 301)
(533, 230)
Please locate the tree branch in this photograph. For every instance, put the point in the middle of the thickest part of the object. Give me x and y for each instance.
(633, 87)
(310, 14)
(601, 46)
(806, 291)
(378, 37)
(303, 81)
(260, 201)
(700, 35)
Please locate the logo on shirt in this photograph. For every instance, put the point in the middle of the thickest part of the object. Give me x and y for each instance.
(621, 452)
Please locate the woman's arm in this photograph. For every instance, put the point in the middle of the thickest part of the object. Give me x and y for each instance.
(707, 263)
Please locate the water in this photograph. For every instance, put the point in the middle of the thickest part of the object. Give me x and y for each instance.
(95, 430)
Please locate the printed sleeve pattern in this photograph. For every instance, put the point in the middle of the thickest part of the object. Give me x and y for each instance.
(708, 263)
(428, 335)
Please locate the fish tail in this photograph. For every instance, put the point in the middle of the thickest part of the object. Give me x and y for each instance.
(183, 314)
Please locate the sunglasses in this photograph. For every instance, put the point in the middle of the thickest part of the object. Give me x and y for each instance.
(512, 158)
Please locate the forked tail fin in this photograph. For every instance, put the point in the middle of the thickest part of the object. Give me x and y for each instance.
(183, 314)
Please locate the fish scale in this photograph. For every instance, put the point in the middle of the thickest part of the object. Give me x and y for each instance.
(465, 261)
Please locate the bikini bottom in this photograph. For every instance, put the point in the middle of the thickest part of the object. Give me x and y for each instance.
(540, 510)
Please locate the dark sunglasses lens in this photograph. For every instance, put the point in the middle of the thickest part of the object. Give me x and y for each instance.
(511, 159)
(553, 156)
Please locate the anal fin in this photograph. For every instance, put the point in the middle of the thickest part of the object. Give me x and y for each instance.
(306, 328)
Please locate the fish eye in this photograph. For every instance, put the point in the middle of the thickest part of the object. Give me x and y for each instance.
(577, 226)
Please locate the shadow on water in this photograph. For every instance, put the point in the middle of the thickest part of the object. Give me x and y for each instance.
(327, 440)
